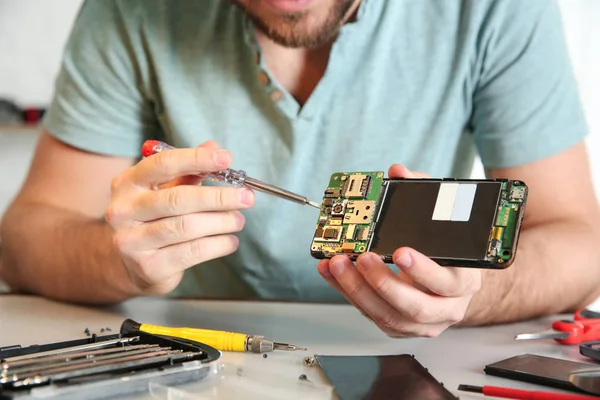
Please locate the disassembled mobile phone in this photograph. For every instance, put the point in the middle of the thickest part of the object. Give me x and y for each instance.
(541, 370)
(469, 222)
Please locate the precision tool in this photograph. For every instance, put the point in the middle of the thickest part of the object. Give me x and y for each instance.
(220, 340)
(82, 362)
(520, 394)
(237, 178)
(79, 367)
(124, 363)
(73, 356)
(587, 380)
(585, 327)
(74, 349)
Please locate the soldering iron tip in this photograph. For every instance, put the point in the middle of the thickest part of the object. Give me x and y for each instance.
(315, 205)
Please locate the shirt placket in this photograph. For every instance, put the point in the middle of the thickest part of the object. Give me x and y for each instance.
(333, 73)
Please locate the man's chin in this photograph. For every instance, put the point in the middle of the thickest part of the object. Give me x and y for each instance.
(291, 23)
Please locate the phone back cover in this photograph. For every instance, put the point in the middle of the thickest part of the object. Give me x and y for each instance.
(381, 378)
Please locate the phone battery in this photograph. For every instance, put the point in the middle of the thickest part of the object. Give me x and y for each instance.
(440, 219)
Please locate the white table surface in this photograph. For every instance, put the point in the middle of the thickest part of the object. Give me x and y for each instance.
(456, 357)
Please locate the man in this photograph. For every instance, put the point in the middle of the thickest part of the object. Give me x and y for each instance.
(291, 91)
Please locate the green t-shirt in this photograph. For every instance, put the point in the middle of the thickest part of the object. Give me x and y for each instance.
(425, 83)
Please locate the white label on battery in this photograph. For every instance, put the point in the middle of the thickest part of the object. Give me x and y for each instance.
(463, 204)
(454, 202)
(445, 202)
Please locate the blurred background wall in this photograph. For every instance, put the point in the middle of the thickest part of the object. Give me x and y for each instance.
(33, 32)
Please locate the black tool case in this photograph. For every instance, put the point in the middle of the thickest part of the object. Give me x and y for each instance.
(124, 382)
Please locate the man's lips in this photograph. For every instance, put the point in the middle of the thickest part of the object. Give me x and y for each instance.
(287, 6)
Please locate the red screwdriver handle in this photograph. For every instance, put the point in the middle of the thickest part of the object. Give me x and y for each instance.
(574, 328)
(508, 393)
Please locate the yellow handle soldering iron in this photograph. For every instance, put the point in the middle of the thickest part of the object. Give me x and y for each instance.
(220, 340)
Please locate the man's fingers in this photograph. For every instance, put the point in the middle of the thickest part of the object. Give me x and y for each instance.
(168, 231)
(411, 330)
(443, 281)
(170, 164)
(342, 275)
(178, 257)
(415, 305)
(191, 179)
(400, 171)
(211, 144)
(182, 200)
(403, 297)
(184, 180)
(323, 269)
(362, 295)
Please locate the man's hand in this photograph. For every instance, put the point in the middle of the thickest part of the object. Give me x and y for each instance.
(164, 222)
(423, 299)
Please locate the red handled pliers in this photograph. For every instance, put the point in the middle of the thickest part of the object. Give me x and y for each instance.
(584, 327)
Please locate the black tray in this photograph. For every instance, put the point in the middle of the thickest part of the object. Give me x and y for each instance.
(114, 384)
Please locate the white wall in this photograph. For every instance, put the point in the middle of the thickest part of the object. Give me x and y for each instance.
(583, 37)
(582, 33)
(32, 33)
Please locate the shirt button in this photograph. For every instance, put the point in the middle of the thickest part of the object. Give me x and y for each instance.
(263, 78)
(276, 95)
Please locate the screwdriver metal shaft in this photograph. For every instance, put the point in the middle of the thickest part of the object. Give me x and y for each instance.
(73, 356)
(234, 177)
(74, 349)
(82, 362)
(125, 363)
(276, 191)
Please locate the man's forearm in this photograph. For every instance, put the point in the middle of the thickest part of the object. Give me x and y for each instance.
(62, 255)
(556, 270)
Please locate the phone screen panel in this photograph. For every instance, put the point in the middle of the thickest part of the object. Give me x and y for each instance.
(411, 216)
(381, 378)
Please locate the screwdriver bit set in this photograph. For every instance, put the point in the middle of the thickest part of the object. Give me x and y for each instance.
(101, 366)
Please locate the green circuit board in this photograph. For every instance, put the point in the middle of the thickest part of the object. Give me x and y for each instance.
(512, 197)
(347, 212)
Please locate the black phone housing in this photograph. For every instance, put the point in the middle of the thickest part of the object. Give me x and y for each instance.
(537, 369)
(404, 219)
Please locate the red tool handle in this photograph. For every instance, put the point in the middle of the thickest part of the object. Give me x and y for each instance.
(579, 331)
(520, 394)
(587, 315)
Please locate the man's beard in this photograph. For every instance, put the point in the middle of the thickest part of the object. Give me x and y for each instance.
(288, 30)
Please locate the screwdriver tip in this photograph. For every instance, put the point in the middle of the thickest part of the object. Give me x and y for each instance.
(315, 205)
(288, 347)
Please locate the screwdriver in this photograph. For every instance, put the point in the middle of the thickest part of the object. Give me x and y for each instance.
(237, 178)
(220, 340)
(520, 394)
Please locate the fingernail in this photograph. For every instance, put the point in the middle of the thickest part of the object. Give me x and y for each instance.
(223, 157)
(366, 262)
(241, 220)
(404, 262)
(247, 197)
(336, 267)
(324, 270)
